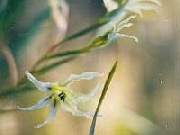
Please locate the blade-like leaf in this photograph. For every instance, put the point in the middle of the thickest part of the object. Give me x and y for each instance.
(98, 42)
(67, 56)
(86, 30)
(103, 94)
(67, 53)
(102, 21)
(51, 66)
(13, 92)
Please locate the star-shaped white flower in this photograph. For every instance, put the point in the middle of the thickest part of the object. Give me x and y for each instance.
(62, 95)
(137, 6)
(116, 31)
(134, 7)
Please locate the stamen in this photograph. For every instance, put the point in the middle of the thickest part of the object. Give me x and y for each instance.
(62, 96)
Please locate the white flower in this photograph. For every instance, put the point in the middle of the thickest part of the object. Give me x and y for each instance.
(62, 95)
(131, 6)
(137, 6)
(115, 33)
(110, 5)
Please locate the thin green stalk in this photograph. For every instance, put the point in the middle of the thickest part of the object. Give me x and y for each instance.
(103, 94)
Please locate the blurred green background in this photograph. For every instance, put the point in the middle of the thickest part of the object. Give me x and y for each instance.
(144, 96)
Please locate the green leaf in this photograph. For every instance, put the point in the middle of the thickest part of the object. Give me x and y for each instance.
(95, 43)
(51, 66)
(67, 56)
(102, 21)
(103, 94)
(66, 53)
(98, 42)
(12, 92)
(63, 57)
(86, 30)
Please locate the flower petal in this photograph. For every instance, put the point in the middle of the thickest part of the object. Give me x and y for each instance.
(132, 6)
(82, 76)
(75, 111)
(40, 104)
(90, 96)
(110, 5)
(51, 116)
(129, 36)
(137, 6)
(115, 36)
(157, 2)
(125, 23)
(42, 86)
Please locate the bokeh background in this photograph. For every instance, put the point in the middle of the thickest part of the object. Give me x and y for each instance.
(144, 96)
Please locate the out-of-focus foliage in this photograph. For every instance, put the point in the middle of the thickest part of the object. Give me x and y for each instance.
(9, 23)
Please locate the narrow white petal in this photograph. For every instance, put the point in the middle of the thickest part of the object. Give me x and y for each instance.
(110, 4)
(128, 36)
(137, 6)
(124, 26)
(42, 86)
(40, 104)
(135, 10)
(82, 76)
(145, 6)
(80, 113)
(157, 2)
(51, 116)
(112, 37)
(132, 6)
(75, 111)
(125, 21)
(91, 95)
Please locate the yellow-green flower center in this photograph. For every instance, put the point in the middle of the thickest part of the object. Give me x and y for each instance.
(58, 92)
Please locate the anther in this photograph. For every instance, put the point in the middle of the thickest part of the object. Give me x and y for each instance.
(62, 96)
